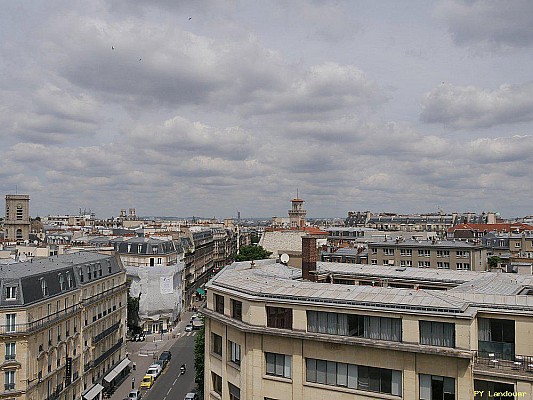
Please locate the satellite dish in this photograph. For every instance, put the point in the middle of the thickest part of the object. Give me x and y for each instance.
(284, 258)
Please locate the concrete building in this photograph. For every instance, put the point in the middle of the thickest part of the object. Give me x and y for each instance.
(297, 214)
(17, 220)
(63, 326)
(445, 254)
(269, 334)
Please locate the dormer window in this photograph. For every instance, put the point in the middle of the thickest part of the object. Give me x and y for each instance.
(11, 293)
(69, 280)
(140, 249)
(61, 282)
(89, 272)
(81, 274)
(44, 287)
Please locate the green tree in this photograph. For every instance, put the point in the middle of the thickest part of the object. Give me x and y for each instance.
(247, 253)
(133, 313)
(199, 354)
(494, 261)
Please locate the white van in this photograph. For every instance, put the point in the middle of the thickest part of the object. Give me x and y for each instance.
(154, 370)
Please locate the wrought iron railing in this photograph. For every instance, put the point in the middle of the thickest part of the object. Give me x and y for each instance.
(39, 324)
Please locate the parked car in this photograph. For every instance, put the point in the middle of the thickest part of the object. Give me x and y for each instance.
(154, 370)
(135, 395)
(147, 382)
(161, 363)
(188, 328)
(191, 396)
(165, 357)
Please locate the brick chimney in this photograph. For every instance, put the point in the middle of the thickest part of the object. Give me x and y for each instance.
(309, 257)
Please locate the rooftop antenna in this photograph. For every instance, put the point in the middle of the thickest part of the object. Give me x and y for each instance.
(297, 193)
(16, 189)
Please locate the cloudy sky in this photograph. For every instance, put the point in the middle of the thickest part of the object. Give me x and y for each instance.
(208, 107)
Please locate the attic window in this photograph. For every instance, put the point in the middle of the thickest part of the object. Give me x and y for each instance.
(69, 280)
(61, 282)
(11, 293)
(44, 287)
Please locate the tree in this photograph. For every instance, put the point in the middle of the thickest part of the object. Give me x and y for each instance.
(199, 353)
(133, 313)
(247, 253)
(494, 261)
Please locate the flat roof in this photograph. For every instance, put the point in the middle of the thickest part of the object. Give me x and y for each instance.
(269, 280)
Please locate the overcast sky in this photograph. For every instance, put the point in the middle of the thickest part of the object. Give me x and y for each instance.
(208, 107)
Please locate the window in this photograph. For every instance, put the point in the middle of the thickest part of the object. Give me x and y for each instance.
(437, 333)
(61, 282)
(234, 392)
(388, 251)
(217, 344)
(159, 260)
(374, 262)
(406, 263)
(69, 280)
(382, 328)
(406, 252)
(236, 309)
(373, 250)
(11, 292)
(18, 234)
(424, 264)
(219, 303)
(9, 382)
(217, 383)
(11, 322)
(44, 287)
(352, 376)
(496, 336)
(424, 253)
(443, 253)
(463, 267)
(462, 253)
(20, 213)
(279, 317)
(443, 265)
(234, 353)
(436, 387)
(10, 351)
(278, 365)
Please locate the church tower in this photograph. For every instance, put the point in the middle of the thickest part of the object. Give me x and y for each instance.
(17, 220)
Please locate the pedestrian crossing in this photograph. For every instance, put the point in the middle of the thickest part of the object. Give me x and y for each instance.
(193, 333)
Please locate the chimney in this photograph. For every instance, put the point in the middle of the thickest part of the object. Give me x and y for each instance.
(309, 257)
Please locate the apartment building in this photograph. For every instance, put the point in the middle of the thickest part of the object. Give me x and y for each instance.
(63, 326)
(145, 252)
(269, 334)
(445, 254)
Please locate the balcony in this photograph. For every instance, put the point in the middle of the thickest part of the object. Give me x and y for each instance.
(501, 363)
(30, 327)
(108, 353)
(106, 333)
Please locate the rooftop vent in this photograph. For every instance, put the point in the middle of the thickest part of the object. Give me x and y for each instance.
(401, 269)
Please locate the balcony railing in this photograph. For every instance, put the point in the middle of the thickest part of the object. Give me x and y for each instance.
(499, 361)
(105, 294)
(106, 333)
(108, 353)
(10, 329)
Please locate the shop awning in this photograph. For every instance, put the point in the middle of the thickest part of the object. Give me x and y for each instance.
(117, 370)
(200, 291)
(93, 392)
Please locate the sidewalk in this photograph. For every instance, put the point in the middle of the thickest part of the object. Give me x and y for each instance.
(143, 354)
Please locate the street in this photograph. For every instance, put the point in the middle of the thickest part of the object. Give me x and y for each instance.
(169, 385)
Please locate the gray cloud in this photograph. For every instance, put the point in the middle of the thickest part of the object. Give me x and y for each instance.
(471, 107)
(493, 24)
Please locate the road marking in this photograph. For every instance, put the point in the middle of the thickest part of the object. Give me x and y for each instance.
(165, 398)
(169, 391)
(175, 380)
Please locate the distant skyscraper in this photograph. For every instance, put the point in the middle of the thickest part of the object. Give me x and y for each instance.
(17, 220)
